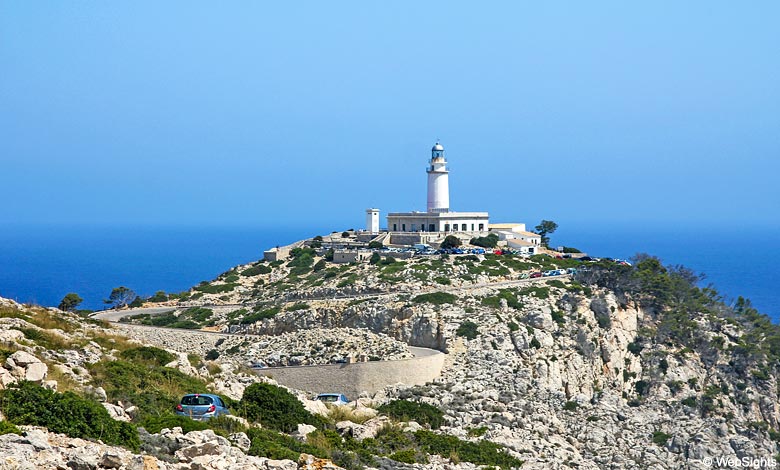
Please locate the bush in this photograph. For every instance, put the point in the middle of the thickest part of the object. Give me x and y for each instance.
(320, 265)
(634, 348)
(570, 406)
(212, 355)
(275, 408)
(8, 428)
(660, 438)
(260, 315)
(216, 288)
(272, 445)
(467, 329)
(481, 453)
(375, 245)
(405, 410)
(450, 241)
(66, 413)
(148, 355)
(256, 270)
(489, 241)
(375, 258)
(436, 298)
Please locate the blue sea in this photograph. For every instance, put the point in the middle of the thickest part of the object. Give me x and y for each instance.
(42, 264)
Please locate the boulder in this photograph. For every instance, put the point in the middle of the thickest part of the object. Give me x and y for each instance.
(36, 372)
(111, 459)
(303, 431)
(22, 359)
(240, 440)
(272, 464)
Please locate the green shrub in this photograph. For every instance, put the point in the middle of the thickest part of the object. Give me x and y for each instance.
(445, 281)
(489, 241)
(273, 445)
(436, 298)
(375, 245)
(570, 406)
(9, 428)
(320, 265)
(216, 288)
(256, 270)
(260, 315)
(405, 410)
(148, 355)
(275, 408)
(212, 355)
(556, 283)
(634, 348)
(404, 456)
(297, 306)
(467, 329)
(660, 438)
(535, 343)
(689, 402)
(481, 453)
(66, 413)
(513, 326)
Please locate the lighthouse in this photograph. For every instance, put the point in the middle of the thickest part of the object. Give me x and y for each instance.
(438, 181)
(437, 220)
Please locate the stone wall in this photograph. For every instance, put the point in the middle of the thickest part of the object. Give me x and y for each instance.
(352, 379)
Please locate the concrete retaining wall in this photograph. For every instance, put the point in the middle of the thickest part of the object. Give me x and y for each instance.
(352, 379)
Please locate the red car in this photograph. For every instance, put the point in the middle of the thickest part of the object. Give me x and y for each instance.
(535, 275)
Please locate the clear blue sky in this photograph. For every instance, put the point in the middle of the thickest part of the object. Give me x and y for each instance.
(269, 113)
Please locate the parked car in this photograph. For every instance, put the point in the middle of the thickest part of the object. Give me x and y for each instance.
(536, 274)
(201, 406)
(552, 272)
(332, 398)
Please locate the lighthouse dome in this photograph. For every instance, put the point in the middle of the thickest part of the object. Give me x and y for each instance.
(437, 147)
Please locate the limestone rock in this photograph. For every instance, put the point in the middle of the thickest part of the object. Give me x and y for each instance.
(21, 359)
(36, 372)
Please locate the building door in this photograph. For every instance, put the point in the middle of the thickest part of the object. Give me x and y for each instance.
(431, 227)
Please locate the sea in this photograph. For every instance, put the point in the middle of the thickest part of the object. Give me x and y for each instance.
(41, 264)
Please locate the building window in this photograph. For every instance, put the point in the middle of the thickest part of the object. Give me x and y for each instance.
(472, 227)
(446, 227)
(414, 227)
(431, 228)
(463, 227)
(481, 227)
(403, 227)
(395, 227)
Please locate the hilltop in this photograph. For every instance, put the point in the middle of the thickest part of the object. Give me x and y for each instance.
(614, 366)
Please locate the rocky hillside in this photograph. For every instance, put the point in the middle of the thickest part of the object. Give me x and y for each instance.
(614, 367)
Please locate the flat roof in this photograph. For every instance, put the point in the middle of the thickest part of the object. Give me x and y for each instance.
(438, 215)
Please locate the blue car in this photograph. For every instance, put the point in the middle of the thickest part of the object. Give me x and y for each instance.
(201, 406)
(333, 398)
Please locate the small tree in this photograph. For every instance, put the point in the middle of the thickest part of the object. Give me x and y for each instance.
(345, 234)
(375, 245)
(451, 241)
(545, 228)
(120, 296)
(70, 302)
(375, 258)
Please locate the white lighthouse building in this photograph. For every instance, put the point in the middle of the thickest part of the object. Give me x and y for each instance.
(437, 221)
(438, 181)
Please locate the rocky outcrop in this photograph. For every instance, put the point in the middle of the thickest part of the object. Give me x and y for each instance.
(199, 450)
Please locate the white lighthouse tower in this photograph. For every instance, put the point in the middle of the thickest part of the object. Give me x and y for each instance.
(438, 181)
